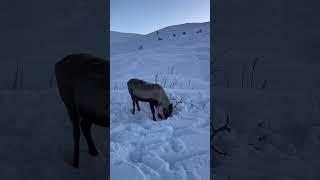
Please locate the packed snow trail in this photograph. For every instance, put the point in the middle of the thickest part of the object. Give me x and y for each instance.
(176, 148)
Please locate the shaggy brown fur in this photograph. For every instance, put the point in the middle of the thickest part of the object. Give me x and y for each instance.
(83, 83)
(148, 92)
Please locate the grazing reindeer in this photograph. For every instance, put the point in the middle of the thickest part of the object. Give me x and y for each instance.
(153, 93)
(83, 84)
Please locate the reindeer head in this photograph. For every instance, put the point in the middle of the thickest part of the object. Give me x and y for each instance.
(167, 111)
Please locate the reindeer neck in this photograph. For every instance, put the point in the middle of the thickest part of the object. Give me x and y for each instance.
(164, 102)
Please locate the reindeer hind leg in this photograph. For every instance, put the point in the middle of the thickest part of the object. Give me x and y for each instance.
(159, 115)
(86, 129)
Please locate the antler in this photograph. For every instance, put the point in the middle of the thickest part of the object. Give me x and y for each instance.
(222, 128)
(178, 102)
(216, 131)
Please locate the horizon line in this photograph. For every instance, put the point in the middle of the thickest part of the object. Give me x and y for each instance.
(159, 29)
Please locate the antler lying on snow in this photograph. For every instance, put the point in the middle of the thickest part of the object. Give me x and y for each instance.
(178, 102)
(216, 131)
(222, 128)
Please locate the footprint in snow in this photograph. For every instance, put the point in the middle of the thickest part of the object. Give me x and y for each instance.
(177, 145)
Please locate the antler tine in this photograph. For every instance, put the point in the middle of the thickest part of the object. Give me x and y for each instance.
(212, 129)
(178, 102)
(224, 127)
(215, 132)
(218, 151)
(211, 122)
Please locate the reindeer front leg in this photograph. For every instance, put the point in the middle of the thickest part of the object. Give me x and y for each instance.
(76, 140)
(159, 114)
(133, 105)
(152, 110)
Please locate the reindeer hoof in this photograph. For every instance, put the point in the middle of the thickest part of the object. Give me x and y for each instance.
(93, 152)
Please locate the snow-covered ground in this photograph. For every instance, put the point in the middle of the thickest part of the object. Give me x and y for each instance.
(275, 130)
(36, 139)
(35, 132)
(289, 108)
(177, 148)
(275, 134)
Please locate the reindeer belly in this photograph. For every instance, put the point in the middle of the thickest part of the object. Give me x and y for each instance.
(92, 103)
(145, 97)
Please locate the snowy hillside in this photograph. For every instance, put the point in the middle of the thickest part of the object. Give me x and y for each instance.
(173, 149)
(116, 37)
(178, 35)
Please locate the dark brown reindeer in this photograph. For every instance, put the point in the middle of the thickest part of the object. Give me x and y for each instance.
(140, 90)
(83, 84)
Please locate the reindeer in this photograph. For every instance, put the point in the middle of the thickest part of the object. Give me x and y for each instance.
(83, 84)
(140, 90)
